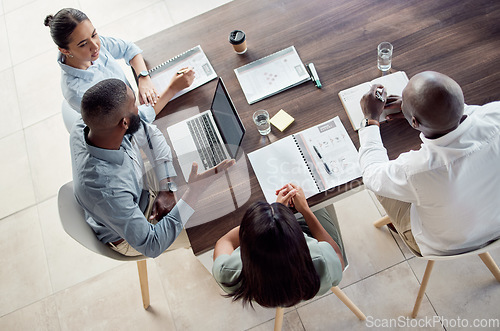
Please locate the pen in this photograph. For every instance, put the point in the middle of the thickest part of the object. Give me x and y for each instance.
(378, 94)
(328, 171)
(314, 74)
(180, 72)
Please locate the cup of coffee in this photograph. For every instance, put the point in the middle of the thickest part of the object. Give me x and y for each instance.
(237, 38)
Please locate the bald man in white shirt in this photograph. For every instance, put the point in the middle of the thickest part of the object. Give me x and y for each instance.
(443, 199)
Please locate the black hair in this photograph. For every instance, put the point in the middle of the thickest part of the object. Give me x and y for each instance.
(101, 103)
(277, 268)
(62, 25)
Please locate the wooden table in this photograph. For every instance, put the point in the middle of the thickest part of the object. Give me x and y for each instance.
(458, 38)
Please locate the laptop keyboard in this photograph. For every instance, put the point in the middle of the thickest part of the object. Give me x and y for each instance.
(206, 140)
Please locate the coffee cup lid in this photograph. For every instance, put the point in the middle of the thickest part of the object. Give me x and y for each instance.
(236, 37)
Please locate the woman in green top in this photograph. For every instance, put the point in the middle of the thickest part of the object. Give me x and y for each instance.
(276, 260)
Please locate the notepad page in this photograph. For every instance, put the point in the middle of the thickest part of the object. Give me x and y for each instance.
(194, 58)
(278, 164)
(351, 97)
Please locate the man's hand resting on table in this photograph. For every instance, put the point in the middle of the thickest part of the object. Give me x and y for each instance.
(162, 205)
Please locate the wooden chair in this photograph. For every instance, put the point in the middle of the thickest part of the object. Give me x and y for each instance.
(482, 252)
(278, 322)
(73, 221)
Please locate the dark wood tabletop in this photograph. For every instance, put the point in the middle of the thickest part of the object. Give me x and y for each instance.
(458, 38)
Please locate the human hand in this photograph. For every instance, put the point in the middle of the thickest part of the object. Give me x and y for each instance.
(393, 104)
(182, 80)
(373, 107)
(299, 199)
(147, 91)
(285, 195)
(162, 205)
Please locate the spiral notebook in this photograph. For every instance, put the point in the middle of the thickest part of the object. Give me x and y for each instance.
(271, 74)
(195, 58)
(317, 159)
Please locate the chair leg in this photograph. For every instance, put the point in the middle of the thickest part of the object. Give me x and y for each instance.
(381, 222)
(143, 279)
(278, 321)
(423, 286)
(490, 263)
(341, 295)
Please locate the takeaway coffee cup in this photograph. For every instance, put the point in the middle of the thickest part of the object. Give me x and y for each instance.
(237, 38)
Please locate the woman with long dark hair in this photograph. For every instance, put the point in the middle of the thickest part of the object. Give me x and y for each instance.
(276, 260)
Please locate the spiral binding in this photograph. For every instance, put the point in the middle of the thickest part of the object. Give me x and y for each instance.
(173, 59)
(305, 161)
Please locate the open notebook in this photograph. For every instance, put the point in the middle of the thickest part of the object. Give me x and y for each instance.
(317, 159)
(162, 74)
(351, 97)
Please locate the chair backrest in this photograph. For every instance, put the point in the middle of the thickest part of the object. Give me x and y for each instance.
(73, 221)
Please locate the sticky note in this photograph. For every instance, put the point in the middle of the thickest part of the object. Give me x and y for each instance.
(281, 120)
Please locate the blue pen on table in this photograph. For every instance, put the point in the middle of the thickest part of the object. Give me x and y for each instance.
(314, 74)
(328, 171)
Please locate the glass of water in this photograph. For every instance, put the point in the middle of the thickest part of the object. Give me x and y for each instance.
(384, 58)
(261, 119)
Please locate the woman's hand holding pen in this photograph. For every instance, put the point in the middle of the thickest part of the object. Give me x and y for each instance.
(182, 79)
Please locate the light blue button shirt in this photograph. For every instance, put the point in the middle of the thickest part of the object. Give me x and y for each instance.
(108, 188)
(75, 82)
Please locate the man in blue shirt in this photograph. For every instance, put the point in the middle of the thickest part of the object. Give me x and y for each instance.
(110, 180)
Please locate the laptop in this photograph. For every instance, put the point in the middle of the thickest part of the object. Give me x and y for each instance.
(209, 137)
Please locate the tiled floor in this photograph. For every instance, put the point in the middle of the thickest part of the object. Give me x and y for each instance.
(49, 282)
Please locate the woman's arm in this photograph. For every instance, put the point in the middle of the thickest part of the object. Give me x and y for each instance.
(147, 91)
(227, 243)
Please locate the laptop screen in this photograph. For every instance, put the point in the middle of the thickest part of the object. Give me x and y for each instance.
(227, 119)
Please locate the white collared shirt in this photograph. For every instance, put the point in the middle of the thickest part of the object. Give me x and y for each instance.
(452, 182)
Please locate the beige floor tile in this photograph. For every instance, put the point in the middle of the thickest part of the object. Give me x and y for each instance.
(5, 59)
(196, 300)
(207, 259)
(41, 315)
(291, 322)
(369, 250)
(112, 301)
(28, 37)
(69, 262)
(11, 117)
(49, 154)
(17, 190)
(38, 83)
(24, 276)
(183, 10)
(385, 296)
(139, 24)
(461, 288)
(102, 13)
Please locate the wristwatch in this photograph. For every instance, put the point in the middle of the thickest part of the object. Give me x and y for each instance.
(144, 73)
(366, 122)
(170, 187)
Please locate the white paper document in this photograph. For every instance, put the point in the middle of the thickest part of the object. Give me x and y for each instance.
(162, 74)
(351, 97)
(317, 159)
(271, 74)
